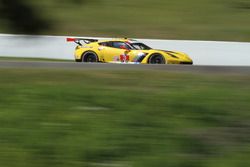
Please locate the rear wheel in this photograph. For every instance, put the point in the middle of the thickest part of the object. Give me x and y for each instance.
(156, 59)
(90, 57)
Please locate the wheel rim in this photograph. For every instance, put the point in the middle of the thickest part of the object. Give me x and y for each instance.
(89, 58)
(157, 59)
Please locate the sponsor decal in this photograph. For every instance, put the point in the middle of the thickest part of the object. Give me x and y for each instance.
(124, 58)
(137, 58)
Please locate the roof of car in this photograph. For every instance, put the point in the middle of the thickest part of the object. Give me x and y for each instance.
(119, 39)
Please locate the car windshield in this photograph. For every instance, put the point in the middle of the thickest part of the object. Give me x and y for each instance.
(140, 46)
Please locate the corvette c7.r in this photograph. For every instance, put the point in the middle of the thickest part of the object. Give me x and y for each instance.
(124, 51)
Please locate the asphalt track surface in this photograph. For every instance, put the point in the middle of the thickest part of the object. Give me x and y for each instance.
(105, 66)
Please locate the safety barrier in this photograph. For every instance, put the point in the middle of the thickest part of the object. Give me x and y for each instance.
(56, 47)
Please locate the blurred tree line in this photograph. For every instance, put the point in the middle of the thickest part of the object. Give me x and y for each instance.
(21, 17)
(27, 17)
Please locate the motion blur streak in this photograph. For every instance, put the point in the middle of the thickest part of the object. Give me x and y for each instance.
(79, 117)
(206, 20)
(102, 115)
(22, 18)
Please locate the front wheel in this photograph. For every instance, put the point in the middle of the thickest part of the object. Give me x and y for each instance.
(90, 57)
(156, 59)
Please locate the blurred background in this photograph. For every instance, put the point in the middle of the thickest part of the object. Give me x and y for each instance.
(179, 19)
(125, 118)
(142, 118)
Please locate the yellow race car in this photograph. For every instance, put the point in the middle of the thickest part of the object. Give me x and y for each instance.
(124, 51)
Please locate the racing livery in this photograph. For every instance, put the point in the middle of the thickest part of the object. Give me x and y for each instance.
(124, 51)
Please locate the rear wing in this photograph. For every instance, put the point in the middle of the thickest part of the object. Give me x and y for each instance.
(78, 40)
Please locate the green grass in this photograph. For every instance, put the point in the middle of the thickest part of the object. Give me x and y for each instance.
(192, 19)
(64, 118)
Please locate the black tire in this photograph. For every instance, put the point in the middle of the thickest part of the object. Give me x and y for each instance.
(156, 59)
(90, 57)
